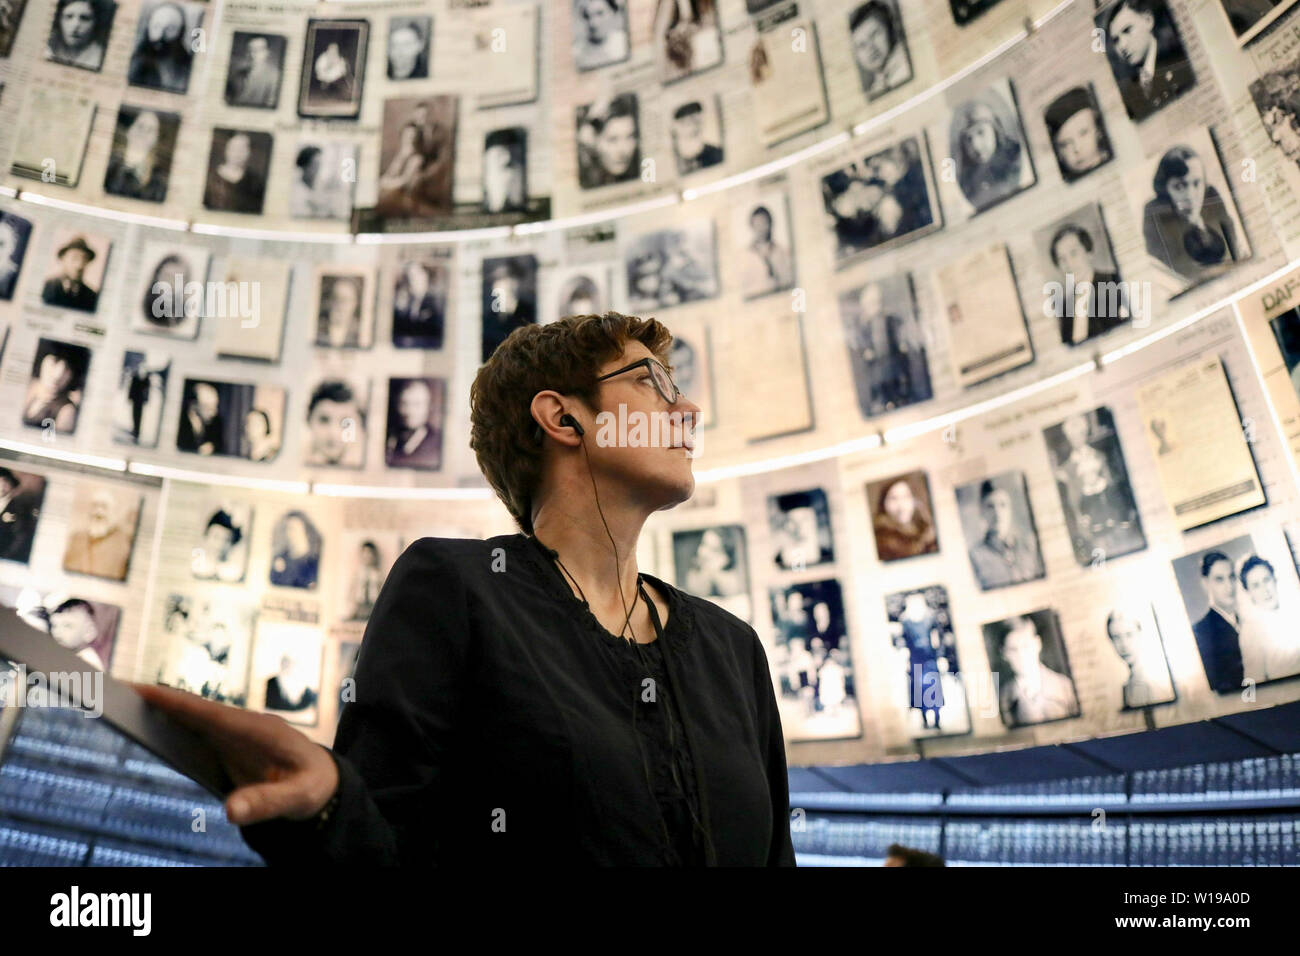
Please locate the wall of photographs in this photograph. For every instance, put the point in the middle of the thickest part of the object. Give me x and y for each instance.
(987, 306)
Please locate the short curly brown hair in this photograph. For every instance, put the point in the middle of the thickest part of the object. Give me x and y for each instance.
(564, 355)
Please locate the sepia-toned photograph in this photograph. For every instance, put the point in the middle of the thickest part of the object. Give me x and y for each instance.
(76, 274)
(324, 179)
(609, 141)
(221, 554)
(687, 37)
(52, 152)
(11, 17)
(231, 419)
(505, 170)
(713, 563)
(1029, 661)
(811, 663)
(102, 524)
(883, 200)
(1274, 93)
(256, 69)
(416, 408)
(1134, 637)
(800, 525)
(417, 156)
(989, 153)
(333, 68)
(902, 516)
(1089, 298)
(980, 302)
(600, 34)
(691, 364)
(140, 161)
(79, 33)
(86, 628)
(237, 169)
(920, 628)
(170, 299)
(785, 77)
(208, 644)
(336, 423)
(696, 133)
(56, 387)
(21, 496)
(670, 267)
(15, 231)
(1096, 497)
(286, 669)
(1146, 54)
(509, 298)
(163, 54)
(409, 40)
(879, 45)
(295, 551)
(886, 345)
(345, 316)
(1078, 132)
(1002, 539)
(764, 244)
(257, 330)
(420, 303)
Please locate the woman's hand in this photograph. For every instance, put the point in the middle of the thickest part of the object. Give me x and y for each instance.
(277, 770)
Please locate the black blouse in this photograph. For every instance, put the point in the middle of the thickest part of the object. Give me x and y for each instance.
(493, 725)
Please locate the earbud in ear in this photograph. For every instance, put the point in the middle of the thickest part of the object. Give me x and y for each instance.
(571, 422)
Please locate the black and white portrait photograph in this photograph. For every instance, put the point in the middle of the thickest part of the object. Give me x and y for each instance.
(886, 345)
(237, 170)
(1150, 65)
(46, 151)
(286, 669)
(1086, 296)
(420, 291)
(1190, 225)
(21, 496)
(687, 37)
(170, 298)
(15, 231)
(166, 39)
(671, 266)
(409, 40)
(505, 170)
(231, 419)
(1137, 646)
(1249, 18)
(713, 563)
(140, 161)
(1286, 332)
(79, 33)
(609, 141)
(57, 387)
(800, 525)
(920, 629)
(1078, 132)
(1092, 480)
(367, 558)
(333, 68)
(221, 554)
(76, 274)
(1242, 606)
(509, 298)
(336, 423)
(345, 314)
(417, 156)
(295, 551)
(413, 436)
(579, 290)
(1028, 659)
(811, 663)
(599, 33)
(1001, 536)
(1275, 98)
(882, 200)
(696, 134)
(86, 628)
(879, 46)
(764, 244)
(691, 363)
(988, 154)
(208, 644)
(324, 179)
(11, 16)
(256, 69)
(965, 11)
(902, 516)
(102, 524)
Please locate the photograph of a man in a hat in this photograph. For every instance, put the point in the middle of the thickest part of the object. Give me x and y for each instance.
(69, 287)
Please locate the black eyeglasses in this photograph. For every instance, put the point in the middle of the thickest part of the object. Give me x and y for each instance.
(663, 382)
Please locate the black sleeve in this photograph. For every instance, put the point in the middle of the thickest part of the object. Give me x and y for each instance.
(393, 738)
(781, 852)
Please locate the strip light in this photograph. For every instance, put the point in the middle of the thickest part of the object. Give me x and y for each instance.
(206, 478)
(75, 457)
(789, 461)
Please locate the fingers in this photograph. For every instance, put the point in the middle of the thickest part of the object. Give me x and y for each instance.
(213, 720)
(258, 802)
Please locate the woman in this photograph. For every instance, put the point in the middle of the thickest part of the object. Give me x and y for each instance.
(259, 443)
(986, 145)
(609, 142)
(403, 172)
(501, 716)
(134, 170)
(1187, 226)
(54, 396)
(79, 33)
(297, 552)
(903, 530)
